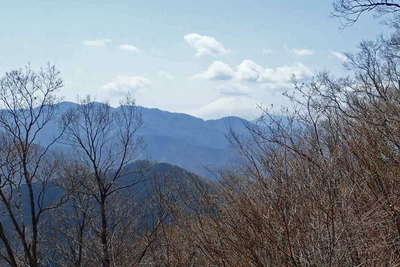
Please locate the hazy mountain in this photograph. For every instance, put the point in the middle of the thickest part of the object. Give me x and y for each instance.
(147, 176)
(187, 141)
(163, 176)
(150, 179)
(180, 139)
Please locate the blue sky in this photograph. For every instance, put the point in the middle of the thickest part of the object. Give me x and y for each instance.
(207, 58)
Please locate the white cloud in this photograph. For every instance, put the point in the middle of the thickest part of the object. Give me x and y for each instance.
(217, 71)
(249, 71)
(302, 52)
(241, 106)
(342, 57)
(284, 74)
(97, 42)
(128, 47)
(126, 84)
(242, 89)
(165, 75)
(205, 45)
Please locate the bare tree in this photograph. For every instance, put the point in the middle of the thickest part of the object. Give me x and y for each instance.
(68, 229)
(28, 105)
(106, 142)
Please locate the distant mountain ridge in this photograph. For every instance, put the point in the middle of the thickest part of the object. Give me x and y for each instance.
(189, 142)
(176, 138)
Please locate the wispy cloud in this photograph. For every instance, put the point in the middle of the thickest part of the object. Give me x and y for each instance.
(165, 75)
(342, 57)
(205, 45)
(302, 52)
(128, 47)
(97, 42)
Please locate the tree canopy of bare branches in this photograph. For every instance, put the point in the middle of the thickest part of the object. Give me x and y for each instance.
(28, 105)
(351, 10)
(319, 188)
(105, 142)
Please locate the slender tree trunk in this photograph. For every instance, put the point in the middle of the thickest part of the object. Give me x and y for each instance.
(34, 258)
(104, 228)
(10, 252)
(80, 240)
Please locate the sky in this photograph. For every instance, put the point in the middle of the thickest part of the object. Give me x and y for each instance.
(208, 58)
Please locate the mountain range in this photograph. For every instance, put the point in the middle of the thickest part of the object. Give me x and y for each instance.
(197, 145)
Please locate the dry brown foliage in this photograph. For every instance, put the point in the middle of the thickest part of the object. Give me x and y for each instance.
(318, 189)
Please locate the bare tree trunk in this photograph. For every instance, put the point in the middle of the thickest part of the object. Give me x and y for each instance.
(104, 232)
